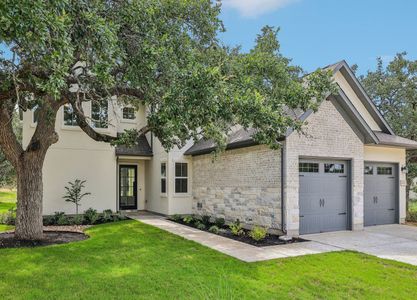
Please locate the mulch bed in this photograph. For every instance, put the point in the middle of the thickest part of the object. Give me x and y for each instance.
(52, 235)
(269, 240)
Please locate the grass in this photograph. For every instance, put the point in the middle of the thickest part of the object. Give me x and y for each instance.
(412, 206)
(131, 260)
(7, 200)
(5, 227)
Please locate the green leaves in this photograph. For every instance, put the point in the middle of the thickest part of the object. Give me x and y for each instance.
(164, 54)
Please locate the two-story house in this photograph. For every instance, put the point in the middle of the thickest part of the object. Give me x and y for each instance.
(346, 172)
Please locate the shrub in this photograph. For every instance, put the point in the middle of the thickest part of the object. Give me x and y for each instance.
(57, 215)
(78, 220)
(220, 222)
(107, 216)
(8, 218)
(188, 219)
(236, 228)
(176, 218)
(200, 226)
(214, 229)
(91, 216)
(205, 219)
(49, 220)
(258, 233)
(412, 216)
(62, 220)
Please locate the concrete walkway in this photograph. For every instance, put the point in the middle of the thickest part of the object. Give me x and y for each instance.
(396, 242)
(239, 250)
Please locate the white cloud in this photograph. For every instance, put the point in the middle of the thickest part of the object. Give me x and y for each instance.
(255, 8)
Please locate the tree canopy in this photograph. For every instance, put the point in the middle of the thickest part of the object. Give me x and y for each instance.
(393, 87)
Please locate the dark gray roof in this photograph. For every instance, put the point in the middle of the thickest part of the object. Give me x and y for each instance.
(238, 139)
(395, 140)
(142, 148)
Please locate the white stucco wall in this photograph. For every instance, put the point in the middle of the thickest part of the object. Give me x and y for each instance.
(391, 155)
(350, 93)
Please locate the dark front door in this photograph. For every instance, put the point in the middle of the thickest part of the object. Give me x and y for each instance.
(127, 187)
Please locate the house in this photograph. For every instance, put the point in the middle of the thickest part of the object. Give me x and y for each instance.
(346, 172)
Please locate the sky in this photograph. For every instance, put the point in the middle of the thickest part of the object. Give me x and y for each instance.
(316, 33)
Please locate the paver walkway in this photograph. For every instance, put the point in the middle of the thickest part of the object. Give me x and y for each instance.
(239, 250)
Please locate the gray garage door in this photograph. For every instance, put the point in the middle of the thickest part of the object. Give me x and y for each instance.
(380, 195)
(323, 195)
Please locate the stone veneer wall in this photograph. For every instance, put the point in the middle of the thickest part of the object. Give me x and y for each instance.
(327, 135)
(242, 184)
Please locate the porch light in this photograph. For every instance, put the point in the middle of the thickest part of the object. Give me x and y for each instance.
(404, 169)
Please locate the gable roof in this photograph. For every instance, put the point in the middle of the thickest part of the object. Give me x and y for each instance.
(243, 138)
(357, 87)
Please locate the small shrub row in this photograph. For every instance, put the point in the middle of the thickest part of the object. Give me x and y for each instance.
(90, 217)
(412, 216)
(204, 222)
(9, 217)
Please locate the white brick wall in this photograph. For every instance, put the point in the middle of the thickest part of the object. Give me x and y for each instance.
(328, 135)
(242, 184)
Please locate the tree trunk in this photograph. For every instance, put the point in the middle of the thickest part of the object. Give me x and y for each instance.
(29, 223)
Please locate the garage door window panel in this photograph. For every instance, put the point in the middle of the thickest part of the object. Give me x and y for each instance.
(308, 168)
(334, 168)
(384, 170)
(369, 170)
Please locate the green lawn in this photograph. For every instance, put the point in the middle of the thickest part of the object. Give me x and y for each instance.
(7, 200)
(413, 206)
(131, 260)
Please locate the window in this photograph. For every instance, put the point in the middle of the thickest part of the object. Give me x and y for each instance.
(35, 114)
(100, 114)
(70, 119)
(308, 167)
(163, 178)
(369, 170)
(181, 178)
(334, 168)
(128, 113)
(384, 171)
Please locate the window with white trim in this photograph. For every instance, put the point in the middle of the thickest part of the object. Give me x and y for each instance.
(163, 178)
(181, 178)
(70, 119)
(100, 114)
(128, 113)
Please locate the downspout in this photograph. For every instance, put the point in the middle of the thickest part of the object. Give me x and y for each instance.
(283, 221)
(117, 183)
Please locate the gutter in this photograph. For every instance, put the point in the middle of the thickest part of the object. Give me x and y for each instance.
(283, 221)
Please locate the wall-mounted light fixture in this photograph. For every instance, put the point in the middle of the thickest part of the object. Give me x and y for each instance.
(404, 169)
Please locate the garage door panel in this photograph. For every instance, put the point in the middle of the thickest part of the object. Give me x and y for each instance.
(323, 196)
(380, 195)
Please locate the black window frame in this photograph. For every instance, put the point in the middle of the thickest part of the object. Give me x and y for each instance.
(103, 114)
(163, 178)
(73, 121)
(131, 115)
(181, 178)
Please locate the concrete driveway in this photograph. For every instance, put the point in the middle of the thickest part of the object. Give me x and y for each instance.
(396, 242)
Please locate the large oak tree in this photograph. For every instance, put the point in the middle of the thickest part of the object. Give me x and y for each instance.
(393, 87)
(163, 54)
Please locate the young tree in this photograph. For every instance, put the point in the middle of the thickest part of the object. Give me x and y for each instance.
(394, 90)
(163, 54)
(74, 193)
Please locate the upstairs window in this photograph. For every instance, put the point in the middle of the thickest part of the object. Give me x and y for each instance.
(70, 119)
(129, 113)
(181, 178)
(100, 114)
(163, 178)
(35, 114)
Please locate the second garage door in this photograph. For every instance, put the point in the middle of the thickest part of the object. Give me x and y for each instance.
(380, 195)
(323, 195)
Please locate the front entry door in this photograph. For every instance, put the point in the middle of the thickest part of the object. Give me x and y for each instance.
(128, 187)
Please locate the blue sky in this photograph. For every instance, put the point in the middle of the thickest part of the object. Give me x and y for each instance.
(316, 33)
